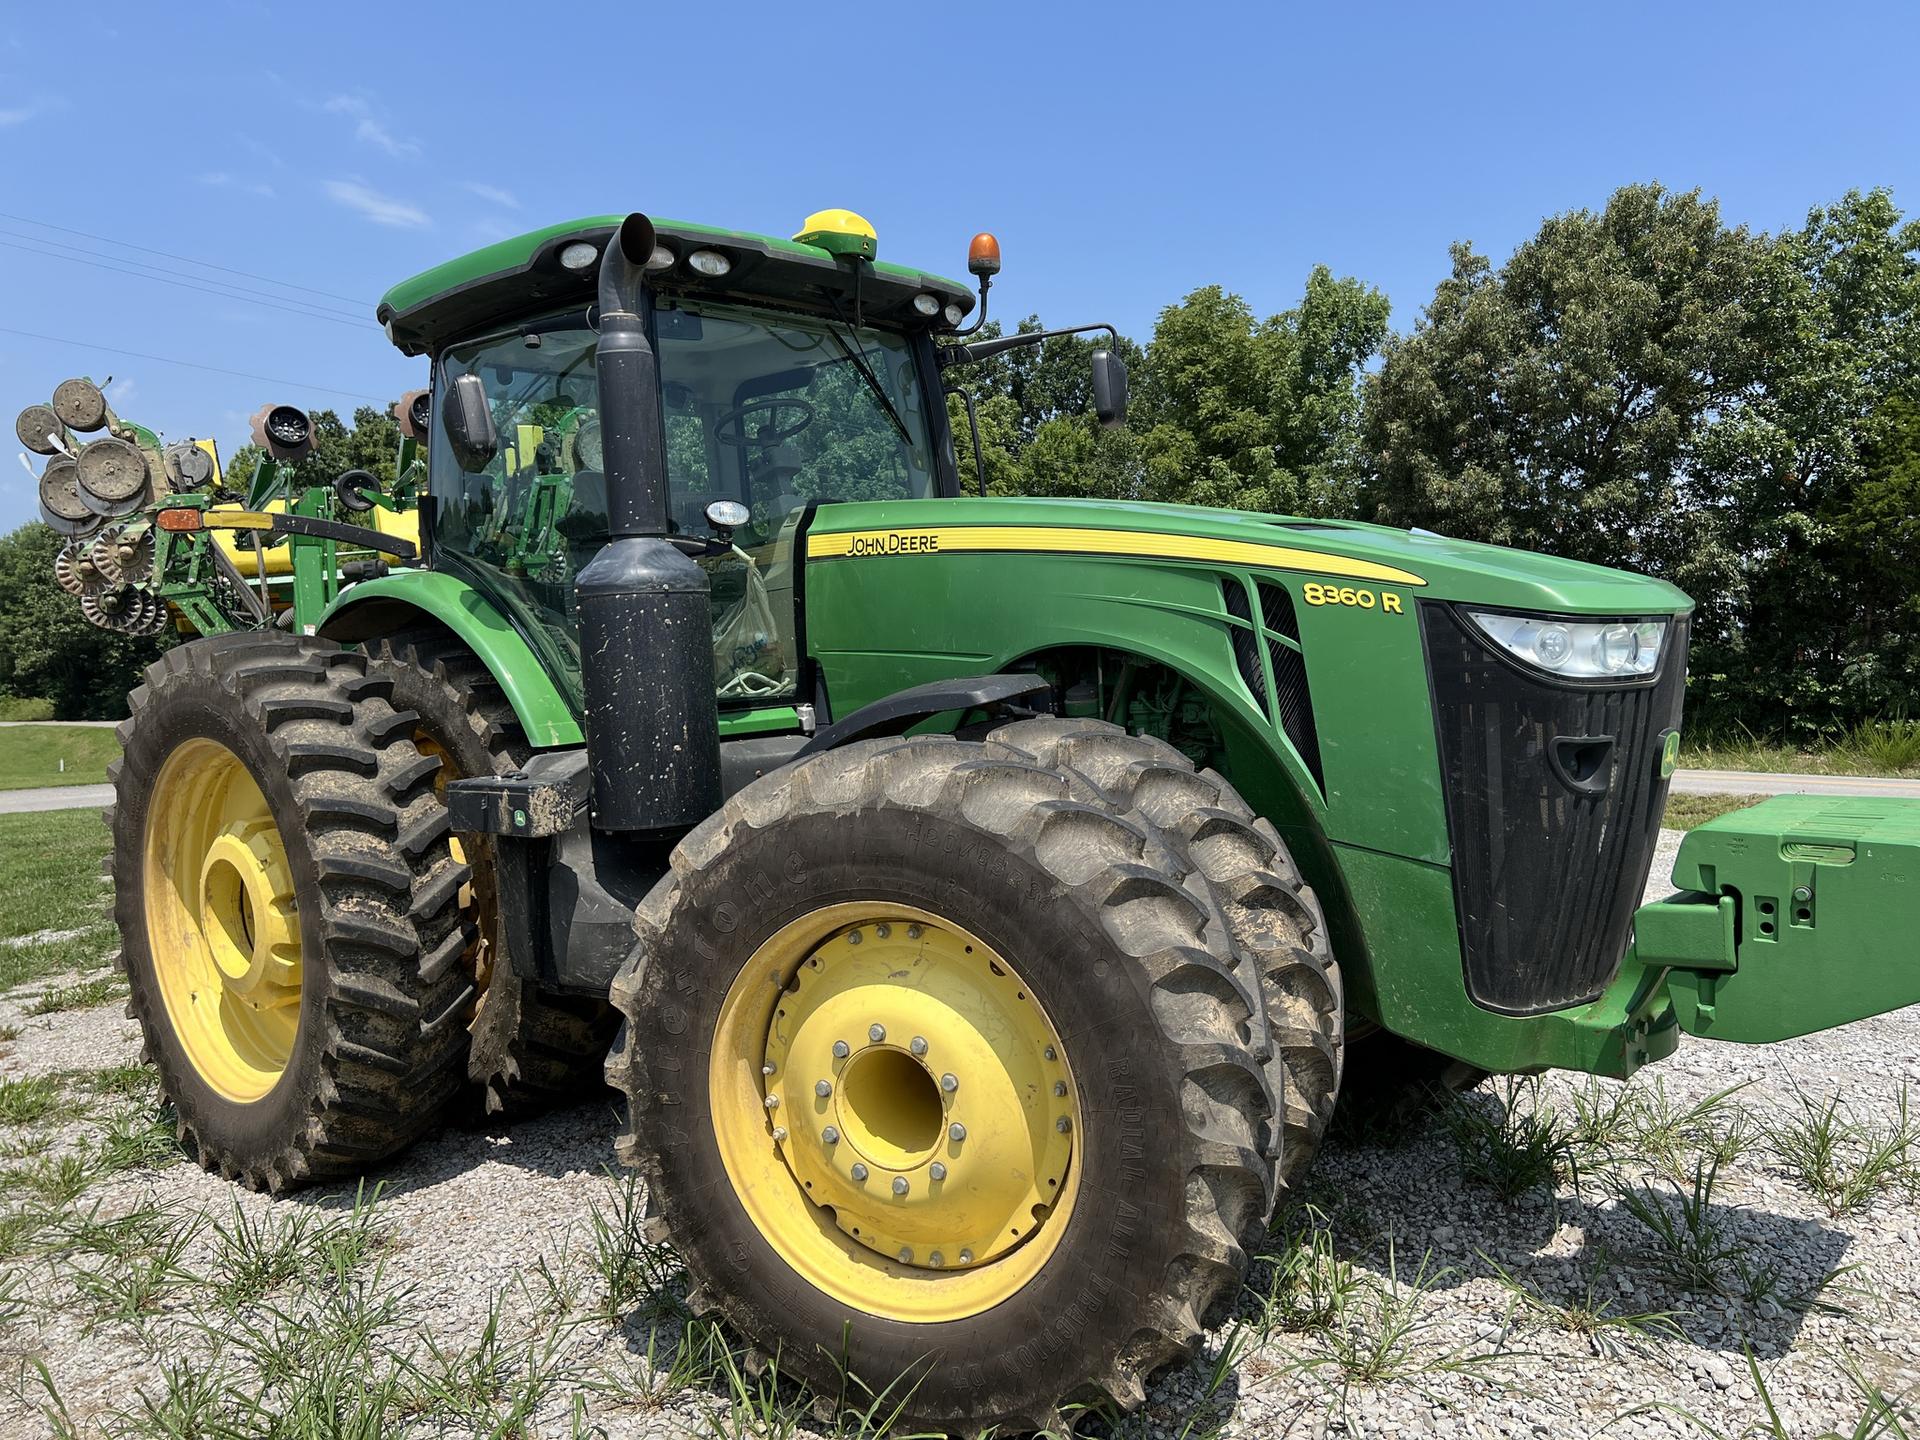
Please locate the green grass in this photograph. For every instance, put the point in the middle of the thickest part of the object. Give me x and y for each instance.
(1686, 811)
(32, 1098)
(1880, 747)
(50, 881)
(82, 995)
(1512, 1144)
(31, 755)
(1846, 1161)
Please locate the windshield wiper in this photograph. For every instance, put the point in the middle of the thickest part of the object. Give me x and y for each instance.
(866, 373)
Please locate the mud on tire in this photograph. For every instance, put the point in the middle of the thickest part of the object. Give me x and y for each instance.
(381, 1039)
(530, 1048)
(1110, 928)
(1280, 936)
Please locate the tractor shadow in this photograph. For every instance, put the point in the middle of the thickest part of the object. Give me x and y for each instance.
(1394, 1205)
(569, 1141)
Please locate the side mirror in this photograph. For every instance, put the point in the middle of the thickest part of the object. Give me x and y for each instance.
(469, 422)
(1109, 388)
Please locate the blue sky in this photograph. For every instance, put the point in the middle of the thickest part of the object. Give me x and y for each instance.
(1124, 154)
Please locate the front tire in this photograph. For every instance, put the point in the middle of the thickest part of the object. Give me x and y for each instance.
(1007, 914)
(529, 1049)
(287, 908)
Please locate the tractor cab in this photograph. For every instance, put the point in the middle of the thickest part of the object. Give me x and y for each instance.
(791, 374)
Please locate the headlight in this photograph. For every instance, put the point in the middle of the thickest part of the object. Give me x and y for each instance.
(661, 259)
(955, 314)
(1578, 649)
(579, 255)
(927, 305)
(710, 263)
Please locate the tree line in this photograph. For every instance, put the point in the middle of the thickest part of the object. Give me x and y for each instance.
(1642, 386)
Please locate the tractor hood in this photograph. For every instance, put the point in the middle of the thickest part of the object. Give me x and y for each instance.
(1430, 566)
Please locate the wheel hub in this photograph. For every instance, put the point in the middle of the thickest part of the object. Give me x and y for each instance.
(247, 914)
(918, 1095)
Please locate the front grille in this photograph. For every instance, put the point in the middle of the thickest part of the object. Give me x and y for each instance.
(1546, 873)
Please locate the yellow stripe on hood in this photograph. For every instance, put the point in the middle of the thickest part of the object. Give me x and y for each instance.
(1145, 544)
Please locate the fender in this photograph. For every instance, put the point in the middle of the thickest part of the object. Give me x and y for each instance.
(390, 603)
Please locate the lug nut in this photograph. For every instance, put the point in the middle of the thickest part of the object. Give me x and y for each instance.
(859, 1171)
(949, 1082)
(823, 1088)
(1059, 1087)
(773, 1102)
(882, 930)
(1048, 1052)
(767, 1069)
(906, 1255)
(1063, 1125)
(899, 1184)
(966, 1257)
(937, 1170)
(779, 1133)
(956, 1131)
(918, 1044)
(840, 1050)
(913, 932)
(936, 1260)
(876, 1033)
(831, 1135)
(854, 937)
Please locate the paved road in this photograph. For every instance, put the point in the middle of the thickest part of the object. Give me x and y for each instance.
(52, 724)
(56, 797)
(1749, 782)
(1685, 782)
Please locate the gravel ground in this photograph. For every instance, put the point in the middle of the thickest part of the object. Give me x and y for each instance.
(1418, 1333)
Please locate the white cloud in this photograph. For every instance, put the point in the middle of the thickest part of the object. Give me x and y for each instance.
(222, 180)
(369, 128)
(380, 209)
(120, 392)
(494, 195)
(18, 116)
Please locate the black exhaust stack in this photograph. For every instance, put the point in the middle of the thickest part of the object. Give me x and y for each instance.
(646, 632)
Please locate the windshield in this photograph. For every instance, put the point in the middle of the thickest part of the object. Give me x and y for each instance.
(773, 411)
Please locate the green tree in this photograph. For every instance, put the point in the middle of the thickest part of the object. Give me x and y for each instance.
(1554, 404)
(1261, 415)
(1816, 462)
(1647, 387)
(48, 649)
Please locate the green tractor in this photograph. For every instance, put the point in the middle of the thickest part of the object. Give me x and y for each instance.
(980, 903)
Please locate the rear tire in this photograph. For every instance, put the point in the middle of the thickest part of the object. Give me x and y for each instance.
(344, 1039)
(1109, 937)
(530, 1048)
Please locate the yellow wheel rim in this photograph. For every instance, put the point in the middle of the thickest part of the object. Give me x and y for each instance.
(474, 908)
(896, 1112)
(222, 926)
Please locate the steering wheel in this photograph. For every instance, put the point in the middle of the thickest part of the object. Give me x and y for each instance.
(731, 428)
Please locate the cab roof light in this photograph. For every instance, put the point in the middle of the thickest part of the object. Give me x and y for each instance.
(840, 233)
(983, 255)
